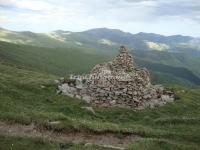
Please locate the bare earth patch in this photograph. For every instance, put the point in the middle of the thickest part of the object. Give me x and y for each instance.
(103, 139)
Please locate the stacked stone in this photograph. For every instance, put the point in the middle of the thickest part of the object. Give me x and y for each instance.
(112, 91)
(123, 61)
(127, 86)
(119, 83)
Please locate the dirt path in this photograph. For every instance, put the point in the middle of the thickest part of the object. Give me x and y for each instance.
(106, 139)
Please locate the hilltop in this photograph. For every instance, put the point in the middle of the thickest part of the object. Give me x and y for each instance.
(29, 101)
(33, 115)
(103, 38)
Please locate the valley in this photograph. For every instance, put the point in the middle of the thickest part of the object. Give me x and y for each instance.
(28, 98)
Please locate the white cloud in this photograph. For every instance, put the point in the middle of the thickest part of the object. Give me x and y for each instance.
(33, 5)
(5, 19)
(165, 17)
(26, 4)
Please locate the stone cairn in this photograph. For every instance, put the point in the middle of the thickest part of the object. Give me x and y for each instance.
(117, 83)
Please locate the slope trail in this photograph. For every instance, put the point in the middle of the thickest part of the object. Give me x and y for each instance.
(110, 140)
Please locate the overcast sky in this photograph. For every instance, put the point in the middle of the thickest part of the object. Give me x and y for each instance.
(166, 17)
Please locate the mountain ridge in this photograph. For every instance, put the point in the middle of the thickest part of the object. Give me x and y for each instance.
(101, 38)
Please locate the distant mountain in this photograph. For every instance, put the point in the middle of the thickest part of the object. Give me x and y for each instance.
(145, 41)
(163, 39)
(54, 39)
(102, 38)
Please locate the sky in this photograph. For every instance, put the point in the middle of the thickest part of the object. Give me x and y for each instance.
(167, 17)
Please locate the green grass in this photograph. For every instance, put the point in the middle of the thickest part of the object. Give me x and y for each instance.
(152, 144)
(28, 94)
(81, 59)
(58, 61)
(24, 100)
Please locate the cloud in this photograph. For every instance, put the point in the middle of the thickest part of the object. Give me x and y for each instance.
(5, 19)
(84, 14)
(182, 9)
(26, 4)
(161, 9)
(33, 5)
(122, 10)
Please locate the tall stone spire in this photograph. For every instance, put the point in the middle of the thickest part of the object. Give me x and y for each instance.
(123, 61)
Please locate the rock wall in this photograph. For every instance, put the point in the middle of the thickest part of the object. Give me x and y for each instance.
(118, 83)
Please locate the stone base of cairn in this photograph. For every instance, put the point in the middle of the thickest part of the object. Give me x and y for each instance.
(117, 83)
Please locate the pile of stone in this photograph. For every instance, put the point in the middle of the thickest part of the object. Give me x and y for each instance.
(118, 83)
(75, 88)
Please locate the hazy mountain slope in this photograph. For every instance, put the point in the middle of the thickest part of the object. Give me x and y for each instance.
(184, 59)
(117, 36)
(30, 38)
(102, 38)
(54, 39)
(169, 79)
(56, 61)
(145, 41)
(174, 71)
(174, 39)
(78, 60)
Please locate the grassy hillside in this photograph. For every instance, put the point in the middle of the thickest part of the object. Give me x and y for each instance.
(60, 61)
(54, 39)
(184, 59)
(78, 59)
(168, 79)
(182, 74)
(30, 96)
